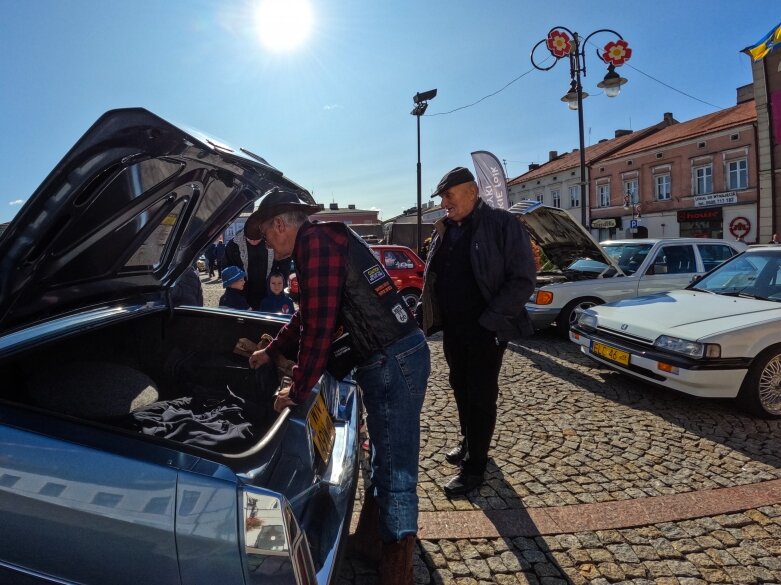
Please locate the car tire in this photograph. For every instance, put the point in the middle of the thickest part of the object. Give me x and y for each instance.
(760, 393)
(567, 315)
(411, 297)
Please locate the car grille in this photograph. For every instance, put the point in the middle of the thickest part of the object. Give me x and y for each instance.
(624, 338)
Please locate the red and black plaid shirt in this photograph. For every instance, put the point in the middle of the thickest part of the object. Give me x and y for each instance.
(320, 255)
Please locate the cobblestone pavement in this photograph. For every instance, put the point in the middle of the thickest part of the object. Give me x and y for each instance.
(596, 479)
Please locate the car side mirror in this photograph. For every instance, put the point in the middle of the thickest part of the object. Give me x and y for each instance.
(658, 268)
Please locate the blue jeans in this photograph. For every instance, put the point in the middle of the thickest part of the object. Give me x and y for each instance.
(394, 386)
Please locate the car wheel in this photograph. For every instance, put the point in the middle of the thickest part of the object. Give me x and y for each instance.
(411, 297)
(568, 314)
(760, 393)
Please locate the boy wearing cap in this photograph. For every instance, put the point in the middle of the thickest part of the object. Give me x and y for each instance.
(344, 288)
(233, 279)
(479, 274)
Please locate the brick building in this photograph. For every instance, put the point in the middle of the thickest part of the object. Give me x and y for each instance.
(693, 179)
(557, 182)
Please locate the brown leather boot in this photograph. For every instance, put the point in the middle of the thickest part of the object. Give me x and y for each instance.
(396, 562)
(366, 543)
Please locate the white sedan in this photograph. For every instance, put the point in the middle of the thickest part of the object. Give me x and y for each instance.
(720, 337)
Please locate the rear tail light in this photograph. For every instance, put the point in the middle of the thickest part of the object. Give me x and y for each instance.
(275, 548)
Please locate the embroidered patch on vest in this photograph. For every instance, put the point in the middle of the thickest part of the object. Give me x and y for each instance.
(383, 288)
(400, 313)
(373, 273)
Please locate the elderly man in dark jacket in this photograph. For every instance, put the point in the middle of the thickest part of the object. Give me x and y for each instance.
(479, 274)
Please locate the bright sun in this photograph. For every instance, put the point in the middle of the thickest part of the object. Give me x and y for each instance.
(283, 25)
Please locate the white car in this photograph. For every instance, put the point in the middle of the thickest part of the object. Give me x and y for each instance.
(582, 273)
(720, 337)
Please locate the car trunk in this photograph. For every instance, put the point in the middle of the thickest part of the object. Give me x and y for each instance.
(145, 374)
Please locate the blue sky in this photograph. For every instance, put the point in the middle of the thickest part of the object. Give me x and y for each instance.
(334, 115)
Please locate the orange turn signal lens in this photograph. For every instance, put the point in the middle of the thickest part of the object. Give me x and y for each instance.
(544, 297)
(667, 368)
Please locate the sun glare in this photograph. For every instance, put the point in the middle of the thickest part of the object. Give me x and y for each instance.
(283, 25)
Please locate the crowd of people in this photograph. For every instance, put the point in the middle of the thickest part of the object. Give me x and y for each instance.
(479, 271)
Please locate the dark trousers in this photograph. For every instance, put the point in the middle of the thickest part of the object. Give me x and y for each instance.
(474, 377)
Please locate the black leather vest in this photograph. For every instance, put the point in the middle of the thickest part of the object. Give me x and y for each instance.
(372, 310)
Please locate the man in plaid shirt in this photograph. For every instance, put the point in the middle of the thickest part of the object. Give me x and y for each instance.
(344, 288)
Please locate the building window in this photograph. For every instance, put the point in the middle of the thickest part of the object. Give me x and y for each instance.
(703, 180)
(735, 136)
(556, 198)
(662, 187)
(630, 189)
(701, 145)
(539, 197)
(574, 196)
(604, 195)
(737, 174)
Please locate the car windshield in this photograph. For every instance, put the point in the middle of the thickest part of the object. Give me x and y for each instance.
(629, 256)
(754, 274)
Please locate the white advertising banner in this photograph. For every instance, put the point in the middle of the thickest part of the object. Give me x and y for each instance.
(491, 179)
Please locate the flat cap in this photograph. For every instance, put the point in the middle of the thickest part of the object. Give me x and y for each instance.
(274, 202)
(455, 177)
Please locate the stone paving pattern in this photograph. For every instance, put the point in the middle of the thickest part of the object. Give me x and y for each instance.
(572, 432)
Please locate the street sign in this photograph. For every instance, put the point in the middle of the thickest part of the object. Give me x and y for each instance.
(633, 223)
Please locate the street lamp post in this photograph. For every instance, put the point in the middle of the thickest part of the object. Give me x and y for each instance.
(421, 103)
(562, 42)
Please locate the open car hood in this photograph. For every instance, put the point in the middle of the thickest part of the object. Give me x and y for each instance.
(562, 239)
(124, 213)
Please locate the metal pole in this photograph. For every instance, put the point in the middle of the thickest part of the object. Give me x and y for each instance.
(575, 67)
(420, 219)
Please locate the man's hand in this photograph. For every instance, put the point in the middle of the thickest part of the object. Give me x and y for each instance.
(282, 401)
(258, 358)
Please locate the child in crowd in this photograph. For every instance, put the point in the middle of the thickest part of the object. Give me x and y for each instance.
(233, 279)
(276, 301)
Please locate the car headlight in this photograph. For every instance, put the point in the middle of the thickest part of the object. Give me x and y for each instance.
(587, 321)
(693, 349)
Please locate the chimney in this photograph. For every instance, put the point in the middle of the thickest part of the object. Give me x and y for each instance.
(351, 206)
(668, 118)
(552, 154)
(620, 133)
(745, 93)
(534, 166)
(333, 206)
(605, 139)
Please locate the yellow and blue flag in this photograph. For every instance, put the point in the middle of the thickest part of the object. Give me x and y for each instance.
(766, 44)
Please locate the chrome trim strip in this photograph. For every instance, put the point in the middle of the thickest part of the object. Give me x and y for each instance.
(72, 323)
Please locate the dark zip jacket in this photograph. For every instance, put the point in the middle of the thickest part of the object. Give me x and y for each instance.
(503, 265)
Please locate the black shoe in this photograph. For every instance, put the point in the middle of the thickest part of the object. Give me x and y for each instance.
(456, 454)
(462, 484)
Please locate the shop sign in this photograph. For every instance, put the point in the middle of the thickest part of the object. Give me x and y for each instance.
(697, 215)
(716, 199)
(605, 223)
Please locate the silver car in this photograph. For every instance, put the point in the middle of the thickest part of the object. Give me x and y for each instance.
(578, 273)
(136, 446)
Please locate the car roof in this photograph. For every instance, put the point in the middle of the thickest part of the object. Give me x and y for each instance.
(668, 240)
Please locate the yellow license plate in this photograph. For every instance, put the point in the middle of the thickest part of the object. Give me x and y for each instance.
(321, 427)
(610, 353)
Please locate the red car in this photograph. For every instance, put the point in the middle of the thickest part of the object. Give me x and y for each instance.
(403, 266)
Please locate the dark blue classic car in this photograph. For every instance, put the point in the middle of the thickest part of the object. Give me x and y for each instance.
(135, 445)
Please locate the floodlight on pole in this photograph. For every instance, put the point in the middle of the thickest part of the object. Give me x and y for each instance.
(421, 103)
